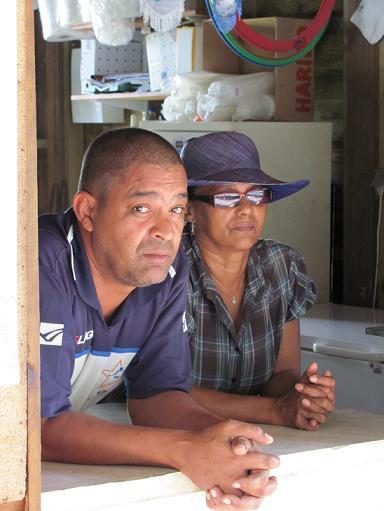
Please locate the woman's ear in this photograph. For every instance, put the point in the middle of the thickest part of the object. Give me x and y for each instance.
(84, 205)
(189, 213)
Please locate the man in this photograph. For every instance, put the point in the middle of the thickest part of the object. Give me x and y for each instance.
(113, 299)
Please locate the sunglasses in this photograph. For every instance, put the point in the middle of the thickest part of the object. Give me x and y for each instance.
(232, 199)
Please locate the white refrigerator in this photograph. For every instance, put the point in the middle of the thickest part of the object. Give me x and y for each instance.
(335, 337)
(289, 151)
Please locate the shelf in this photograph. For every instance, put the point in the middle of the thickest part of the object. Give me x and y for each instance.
(135, 101)
(127, 96)
(191, 14)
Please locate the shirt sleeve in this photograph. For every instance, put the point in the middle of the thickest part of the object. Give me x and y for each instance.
(164, 361)
(57, 346)
(302, 292)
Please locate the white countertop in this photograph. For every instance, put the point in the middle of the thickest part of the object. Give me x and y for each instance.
(342, 464)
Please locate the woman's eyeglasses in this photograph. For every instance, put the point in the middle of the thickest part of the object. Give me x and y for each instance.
(231, 199)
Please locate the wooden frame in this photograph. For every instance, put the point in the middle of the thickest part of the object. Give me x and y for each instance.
(27, 250)
(28, 225)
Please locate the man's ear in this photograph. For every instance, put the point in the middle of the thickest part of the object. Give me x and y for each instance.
(84, 205)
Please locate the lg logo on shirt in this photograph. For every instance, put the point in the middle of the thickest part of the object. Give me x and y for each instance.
(82, 339)
(51, 334)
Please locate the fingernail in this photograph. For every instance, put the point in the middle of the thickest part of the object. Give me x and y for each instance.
(214, 493)
(306, 402)
(313, 379)
(208, 496)
(299, 386)
(226, 500)
(268, 437)
(236, 485)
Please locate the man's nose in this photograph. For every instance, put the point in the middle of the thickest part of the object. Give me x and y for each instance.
(162, 227)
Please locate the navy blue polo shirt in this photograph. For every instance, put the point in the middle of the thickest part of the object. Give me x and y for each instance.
(82, 357)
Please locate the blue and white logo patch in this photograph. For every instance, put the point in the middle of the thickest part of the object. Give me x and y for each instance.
(51, 334)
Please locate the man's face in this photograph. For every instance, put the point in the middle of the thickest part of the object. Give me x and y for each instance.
(230, 229)
(136, 232)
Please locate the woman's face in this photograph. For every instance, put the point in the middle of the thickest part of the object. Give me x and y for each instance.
(229, 229)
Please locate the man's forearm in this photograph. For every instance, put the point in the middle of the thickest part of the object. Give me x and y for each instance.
(206, 457)
(173, 409)
(81, 438)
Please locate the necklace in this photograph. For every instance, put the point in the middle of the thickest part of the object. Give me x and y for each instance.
(233, 299)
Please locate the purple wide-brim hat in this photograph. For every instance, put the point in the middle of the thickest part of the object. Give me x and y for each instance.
(230, 157)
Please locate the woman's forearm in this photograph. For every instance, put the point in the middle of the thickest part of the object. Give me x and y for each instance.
(280, 383)
(235, 406)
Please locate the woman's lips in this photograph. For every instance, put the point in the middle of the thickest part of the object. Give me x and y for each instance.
(244, 227)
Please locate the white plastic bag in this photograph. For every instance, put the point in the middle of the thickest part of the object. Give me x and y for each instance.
(229, 89)
(184, 92)
(210, 109)
(113, 20)
(176, 109)
(369, 18)
(255, 108)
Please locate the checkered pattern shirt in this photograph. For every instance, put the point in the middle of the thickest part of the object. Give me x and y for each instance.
(278, 290)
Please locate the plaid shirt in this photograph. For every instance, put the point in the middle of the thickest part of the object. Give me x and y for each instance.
(278, 290)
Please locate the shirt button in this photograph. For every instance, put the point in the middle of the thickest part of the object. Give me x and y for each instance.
(233, 380)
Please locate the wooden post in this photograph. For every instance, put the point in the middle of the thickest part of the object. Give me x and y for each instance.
(28, 284)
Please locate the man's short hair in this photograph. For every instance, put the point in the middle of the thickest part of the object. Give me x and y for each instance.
(110, 154)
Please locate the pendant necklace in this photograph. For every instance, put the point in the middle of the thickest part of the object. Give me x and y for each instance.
(233, 299)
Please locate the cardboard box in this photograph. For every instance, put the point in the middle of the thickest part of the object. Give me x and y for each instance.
(293, 82)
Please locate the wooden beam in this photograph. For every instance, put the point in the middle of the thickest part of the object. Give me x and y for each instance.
(17, 505)
(28, 287)
(361, 157)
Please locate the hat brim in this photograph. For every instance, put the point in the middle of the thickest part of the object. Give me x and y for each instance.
(280, 189)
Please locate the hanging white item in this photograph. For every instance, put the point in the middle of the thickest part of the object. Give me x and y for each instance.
(58, 17)
(162, 15)
(113, 20)
(369, 19)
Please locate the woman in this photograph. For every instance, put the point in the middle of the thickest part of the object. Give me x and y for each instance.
(246, 294)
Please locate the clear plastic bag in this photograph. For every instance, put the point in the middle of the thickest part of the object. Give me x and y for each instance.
(178, 109)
